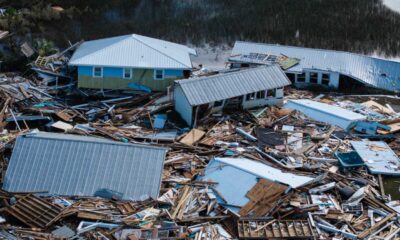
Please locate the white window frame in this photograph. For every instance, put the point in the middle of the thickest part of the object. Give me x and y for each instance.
(130, 73)
(94, 71)
(155, 74)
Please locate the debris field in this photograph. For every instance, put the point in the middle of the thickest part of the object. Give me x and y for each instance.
(88, 164)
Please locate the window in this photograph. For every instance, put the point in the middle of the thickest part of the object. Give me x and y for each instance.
(97, 72)
(325, 79)
(260, 94)
(158, 74)
(218, 103)
(271, 93)
(272, 58)
(313, 77)
(250, 96)
(127, 73)
(291, 77)
(301, 77)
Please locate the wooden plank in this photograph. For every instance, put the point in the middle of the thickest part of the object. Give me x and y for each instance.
(192, 137)
(263, 197)
(93, 216)
(376, 226)
(35, 212)
(274, 229)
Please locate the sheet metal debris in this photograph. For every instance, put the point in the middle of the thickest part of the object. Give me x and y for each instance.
(123, 164)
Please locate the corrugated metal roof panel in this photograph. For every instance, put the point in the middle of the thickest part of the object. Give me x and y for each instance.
(65, 164)
(379, 73)
(133, 51)
(224, 86)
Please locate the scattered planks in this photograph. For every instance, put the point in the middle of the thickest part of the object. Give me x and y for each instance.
(35, 212)
(263, 197)
(378, 225)
(260, 228)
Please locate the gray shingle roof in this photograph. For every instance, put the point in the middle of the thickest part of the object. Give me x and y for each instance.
(375, 72)
(224, 86)
(65, 164)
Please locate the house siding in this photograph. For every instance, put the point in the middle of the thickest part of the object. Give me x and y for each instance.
(270, 101)
(113, 78)
(333, 79)
(182, 105)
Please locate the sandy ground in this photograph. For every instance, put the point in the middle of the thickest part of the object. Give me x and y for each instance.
(213, 58)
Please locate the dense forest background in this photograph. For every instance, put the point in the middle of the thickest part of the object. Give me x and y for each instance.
(364, 26)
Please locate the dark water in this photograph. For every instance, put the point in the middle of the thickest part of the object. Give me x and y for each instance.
(355, 25)
(392, 186)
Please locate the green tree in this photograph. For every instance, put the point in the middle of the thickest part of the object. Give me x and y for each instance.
(44, 47)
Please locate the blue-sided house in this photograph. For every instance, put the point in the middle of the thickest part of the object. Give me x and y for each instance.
(131, 62)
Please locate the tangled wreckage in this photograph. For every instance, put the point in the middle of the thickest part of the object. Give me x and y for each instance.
(233, 154)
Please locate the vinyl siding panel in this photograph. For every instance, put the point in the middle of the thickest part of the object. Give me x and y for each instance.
(182, 105)
(113, 78)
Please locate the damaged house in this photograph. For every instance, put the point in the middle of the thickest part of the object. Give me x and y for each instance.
(132, 62)
(198, 97)
(329, 68)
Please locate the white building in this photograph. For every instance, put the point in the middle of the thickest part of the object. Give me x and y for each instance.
(335, 69)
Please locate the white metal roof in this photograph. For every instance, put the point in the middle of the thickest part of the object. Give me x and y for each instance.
(227, 85)
(264, 171)
(325, 113)
(133, 51)
(329, 109)
(375, 72)
(378, 156)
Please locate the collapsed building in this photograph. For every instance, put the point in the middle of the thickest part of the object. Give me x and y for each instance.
(327, 68)
(253, 158)
(199, 97)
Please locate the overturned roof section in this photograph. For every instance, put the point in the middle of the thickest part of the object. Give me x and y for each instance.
(228, 85)
(378, 156)
(375, 72)
(63, 164)
(133, 51)
(227, 171)
(325, 113)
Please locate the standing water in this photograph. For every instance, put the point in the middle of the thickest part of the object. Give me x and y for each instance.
(393, 4)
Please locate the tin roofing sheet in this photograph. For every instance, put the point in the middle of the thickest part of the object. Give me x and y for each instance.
(133, 51)
(63, 164)
(375, 72)
(228, 85)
